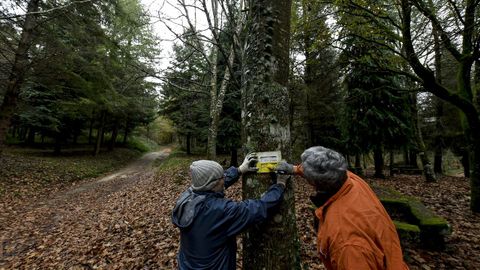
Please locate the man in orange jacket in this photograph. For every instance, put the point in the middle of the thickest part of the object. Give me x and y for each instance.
(355, 231)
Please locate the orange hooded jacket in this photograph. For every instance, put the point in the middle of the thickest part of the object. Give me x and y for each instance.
(355, 231)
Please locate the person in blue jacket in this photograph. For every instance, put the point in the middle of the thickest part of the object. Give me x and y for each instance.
(209, 223)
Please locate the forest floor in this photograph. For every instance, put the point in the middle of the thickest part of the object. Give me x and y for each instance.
(122, 221)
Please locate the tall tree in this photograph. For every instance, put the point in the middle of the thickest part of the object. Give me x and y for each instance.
(185, 96)
(265, 107)
(18, 71)
(464, 96)
(317, 100)
(374, 97)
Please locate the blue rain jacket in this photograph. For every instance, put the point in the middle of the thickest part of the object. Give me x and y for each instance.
(209, 224)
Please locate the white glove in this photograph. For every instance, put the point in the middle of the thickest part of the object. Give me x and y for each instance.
(249, 164)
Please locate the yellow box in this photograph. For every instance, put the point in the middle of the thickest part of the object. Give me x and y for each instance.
(267, 161)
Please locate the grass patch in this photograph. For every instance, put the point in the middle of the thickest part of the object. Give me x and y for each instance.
(176, 166)
(141, 144)
(23, 171)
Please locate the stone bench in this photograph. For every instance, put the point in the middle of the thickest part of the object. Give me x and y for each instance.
(415, 223)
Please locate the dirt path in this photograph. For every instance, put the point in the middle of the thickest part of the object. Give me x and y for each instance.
(39, 234)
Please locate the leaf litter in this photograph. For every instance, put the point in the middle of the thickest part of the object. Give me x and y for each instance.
(125, 223)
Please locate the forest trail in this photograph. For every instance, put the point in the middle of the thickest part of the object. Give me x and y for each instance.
(35, 233)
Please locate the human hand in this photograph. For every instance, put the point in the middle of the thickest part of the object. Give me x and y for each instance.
(284, 168)
(249, 164)
(282, 179)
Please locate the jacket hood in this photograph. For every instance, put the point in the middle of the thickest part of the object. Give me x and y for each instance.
(186, 208)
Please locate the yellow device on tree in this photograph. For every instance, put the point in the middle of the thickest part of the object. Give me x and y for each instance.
(267, 161)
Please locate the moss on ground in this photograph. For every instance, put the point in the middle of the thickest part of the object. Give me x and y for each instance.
(408, 209)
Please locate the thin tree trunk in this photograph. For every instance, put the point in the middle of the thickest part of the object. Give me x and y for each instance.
(233, 156)
(392, 162)
(111, 144)
(217, 97)
(31, 136)
(475, 177)
(406, 156)
(90, 131)
(427, 166)
(58, 144)
(19, 69)
(126, 131)
(100, 133)
(188, 142)
(14, 131)
(437, 161)
(358, 165)
(102, 140)
(465, 160)
(378, 161)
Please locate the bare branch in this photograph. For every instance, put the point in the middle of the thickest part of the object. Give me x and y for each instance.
(45, 11)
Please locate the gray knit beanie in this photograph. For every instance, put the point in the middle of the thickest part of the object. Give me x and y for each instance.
(205, 174)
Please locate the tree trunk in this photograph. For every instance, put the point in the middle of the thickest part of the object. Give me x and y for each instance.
(427, 166)
(188, 139)
(18, 71)
(437, 161)
(102, 140)
(378, 161)
(412, 158)
(58, 144)
(90, 131)
(465, 160)
(218, 95)
(475, 177)
(406, 156)
(22, 135)
(100, 133)
(392, 162)
(125, 133)
(233, 156)
(111, 144)
(265, 103)
(31, 136)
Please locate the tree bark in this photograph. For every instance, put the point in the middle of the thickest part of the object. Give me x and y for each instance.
(31, 136)
(58, 144)
(18, 71)
(111, 144)
(234, 156)
(188, 142)
(90, 131)
(265, 122)
(98, 144)
(438, 158)
(427, 166)
(392, 162)
(125, 133)
(378, 162)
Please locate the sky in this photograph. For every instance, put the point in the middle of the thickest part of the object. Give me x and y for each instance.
(161, 11)
(157, 8)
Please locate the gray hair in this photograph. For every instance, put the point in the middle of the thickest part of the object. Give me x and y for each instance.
(324, 168)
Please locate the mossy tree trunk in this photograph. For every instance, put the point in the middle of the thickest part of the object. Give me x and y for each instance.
(265, 111)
